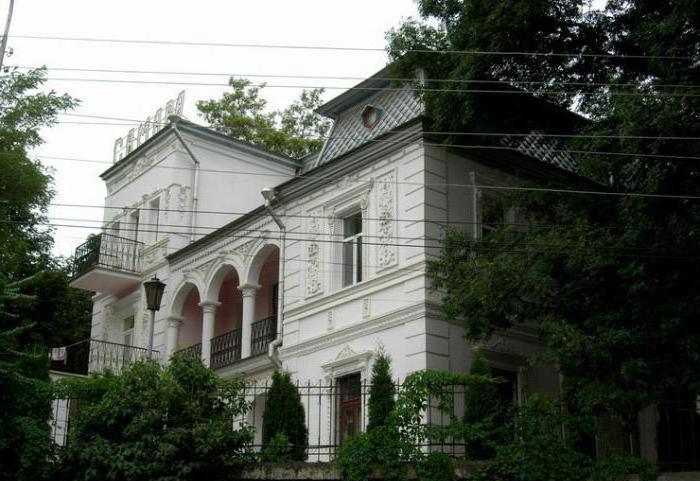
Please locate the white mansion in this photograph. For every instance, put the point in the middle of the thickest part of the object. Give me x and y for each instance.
(324, 268)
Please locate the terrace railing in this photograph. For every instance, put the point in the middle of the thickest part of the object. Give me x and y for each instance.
(226, 349)
(262, 333)
(190, 352)
(93, 356)
(108, 251)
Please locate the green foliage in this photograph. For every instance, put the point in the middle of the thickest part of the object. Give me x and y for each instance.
(481, 409)
(278, 450)
(150, 422)
(381, 392)
(437, 466)
(295, 131)
(25, 185)
(356, 457)
(25, 398)
(284, 415)
(536, 451)
(610, 281)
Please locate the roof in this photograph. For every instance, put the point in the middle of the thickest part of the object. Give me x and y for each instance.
(204, 133)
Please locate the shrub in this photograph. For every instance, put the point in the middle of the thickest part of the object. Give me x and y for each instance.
(381, 392)
(481, 406)
(284, 414)
(156, 423)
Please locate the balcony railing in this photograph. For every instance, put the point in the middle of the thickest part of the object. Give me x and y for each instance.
(226, 349)
(262, 333)
(93, 356)
(190, 352)
(108, 251)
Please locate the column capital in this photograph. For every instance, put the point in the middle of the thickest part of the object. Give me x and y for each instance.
(209, 306)
(174, 321)
(248, 290)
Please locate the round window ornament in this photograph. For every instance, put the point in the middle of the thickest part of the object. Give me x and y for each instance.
(370, 116)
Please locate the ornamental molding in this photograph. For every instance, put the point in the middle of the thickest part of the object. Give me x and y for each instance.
(386, 212)
(346, 362)
(230, 242)
(314, 283)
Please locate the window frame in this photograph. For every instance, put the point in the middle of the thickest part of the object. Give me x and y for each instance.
(355, 241)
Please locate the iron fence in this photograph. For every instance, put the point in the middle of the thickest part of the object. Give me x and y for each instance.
(324, 416)
(107, 250)
(190, 352)
(93, 356)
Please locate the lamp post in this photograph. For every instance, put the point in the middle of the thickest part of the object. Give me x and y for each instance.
(154, 293)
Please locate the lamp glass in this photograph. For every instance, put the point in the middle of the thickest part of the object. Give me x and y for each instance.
(154, 293)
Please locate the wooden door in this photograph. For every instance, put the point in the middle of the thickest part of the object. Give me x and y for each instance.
(349, 407)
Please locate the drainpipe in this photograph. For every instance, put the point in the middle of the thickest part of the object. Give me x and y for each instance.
(273, 348)
(195, 182)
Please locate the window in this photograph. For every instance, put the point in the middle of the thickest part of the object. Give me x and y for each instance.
(154, 208)
(506, 391)
(493, 215)
(128, 341)
(352, 249)
(349, 407)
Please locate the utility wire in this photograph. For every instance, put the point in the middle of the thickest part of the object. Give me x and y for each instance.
(371, 89)
(565, 249)
(136, 122)
(339, 77)
(354, 49)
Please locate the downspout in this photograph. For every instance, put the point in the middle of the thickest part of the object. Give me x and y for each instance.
(195, 181)
(273, 348)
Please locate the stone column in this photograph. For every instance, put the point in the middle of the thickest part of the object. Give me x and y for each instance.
(171, 335)
(248, 291)
(208, 315)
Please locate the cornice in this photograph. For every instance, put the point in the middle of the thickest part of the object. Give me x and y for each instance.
(361, 329)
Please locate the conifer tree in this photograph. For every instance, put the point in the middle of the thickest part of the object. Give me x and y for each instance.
(284, 417)
(381, 392)
(481, 407)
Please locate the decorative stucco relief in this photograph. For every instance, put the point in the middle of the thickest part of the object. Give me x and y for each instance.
(313, 253)
(386, 206)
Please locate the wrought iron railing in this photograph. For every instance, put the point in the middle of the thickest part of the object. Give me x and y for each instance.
(190, 352)
(110, 251)
(93, 356)
(226, 349)
(262, 333)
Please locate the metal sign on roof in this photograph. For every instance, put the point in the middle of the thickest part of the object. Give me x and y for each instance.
(123, 146)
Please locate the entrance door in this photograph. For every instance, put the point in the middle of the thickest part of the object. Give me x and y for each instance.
(349, 407)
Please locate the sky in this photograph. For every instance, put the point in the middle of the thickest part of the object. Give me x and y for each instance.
(360, 23)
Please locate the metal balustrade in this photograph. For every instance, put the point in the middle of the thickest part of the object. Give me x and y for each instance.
(94, 356)
(262, 333)
(108, 251)
(190, 352)
(225, 349)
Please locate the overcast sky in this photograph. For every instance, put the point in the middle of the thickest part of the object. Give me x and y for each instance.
(359, 23)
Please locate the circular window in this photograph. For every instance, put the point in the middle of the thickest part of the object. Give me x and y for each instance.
(370, 116)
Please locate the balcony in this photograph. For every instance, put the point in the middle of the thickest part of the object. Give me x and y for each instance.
(190, 352)
(226, 349)
(107, 263)
(262, 333)
(95, 356)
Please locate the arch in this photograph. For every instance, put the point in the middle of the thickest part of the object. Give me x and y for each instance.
(216, 278)
(183, 290)
(257, 260)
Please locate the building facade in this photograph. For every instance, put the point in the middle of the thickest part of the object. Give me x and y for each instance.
(324, 269)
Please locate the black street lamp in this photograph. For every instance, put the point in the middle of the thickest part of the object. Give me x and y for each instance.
(154, 294)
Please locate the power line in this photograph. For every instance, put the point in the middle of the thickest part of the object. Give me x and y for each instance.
(565, 249)
(136, 122)
(340, 77)
(355, 49)
(369, 89)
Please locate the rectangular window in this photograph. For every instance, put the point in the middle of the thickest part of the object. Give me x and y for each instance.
(352, 249)
(349, 407)
(155, 218)
(128, 354)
